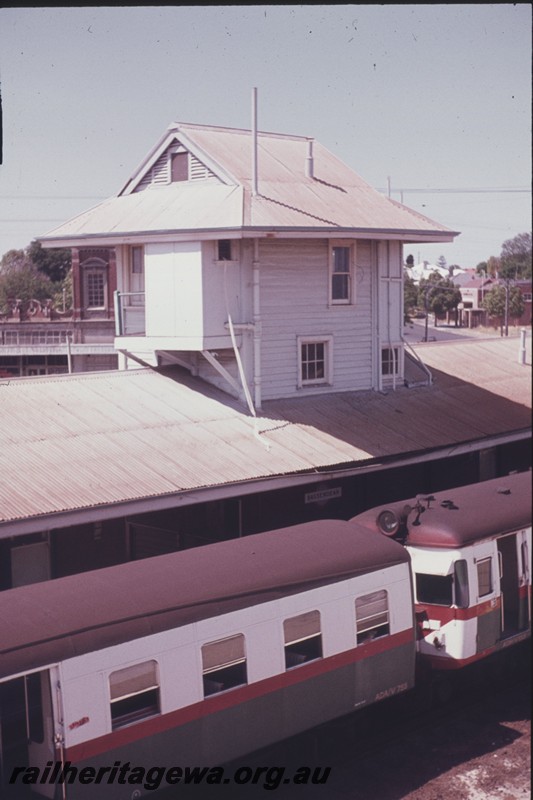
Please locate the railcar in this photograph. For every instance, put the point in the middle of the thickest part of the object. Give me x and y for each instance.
(470, 551)
(201, 656)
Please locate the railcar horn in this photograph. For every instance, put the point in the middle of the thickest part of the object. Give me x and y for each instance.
(419, 508)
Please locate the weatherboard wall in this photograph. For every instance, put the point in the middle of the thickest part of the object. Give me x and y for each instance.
(295, 303)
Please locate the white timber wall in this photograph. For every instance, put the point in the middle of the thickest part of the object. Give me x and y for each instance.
(295, 303)
(173, 281)
(390, 291)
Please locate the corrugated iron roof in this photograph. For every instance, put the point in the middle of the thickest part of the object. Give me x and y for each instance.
(335, 198)
(72, 442)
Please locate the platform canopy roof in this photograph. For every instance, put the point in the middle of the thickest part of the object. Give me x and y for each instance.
(96, 445)
(226, 193)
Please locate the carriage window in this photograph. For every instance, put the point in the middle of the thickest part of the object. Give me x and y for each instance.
(484, 576)
(434, 589)
(134, 694)
(224, 664)
(303, 639)
(460, 579)
(372, 616)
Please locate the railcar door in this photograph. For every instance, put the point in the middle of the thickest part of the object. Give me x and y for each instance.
(509, 583)
(487, 598)
(26, 734)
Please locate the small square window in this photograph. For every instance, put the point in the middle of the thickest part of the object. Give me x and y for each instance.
(315, 361)
(390, 361)
(224, 250)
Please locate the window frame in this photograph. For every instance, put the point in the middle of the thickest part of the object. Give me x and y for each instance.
(444, 584)
(327, 378)
(349, 273)
(135, 263)
(236, 669)
(365, 634)
(312, 650)
(390, 362)
(95, 267)
(152, 690)
(481, 562)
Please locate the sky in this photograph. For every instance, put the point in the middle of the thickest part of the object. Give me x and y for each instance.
(431, 103)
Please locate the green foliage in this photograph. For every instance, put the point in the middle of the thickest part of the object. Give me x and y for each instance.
(410, 261)
(55, 264)
(35, 274)
(23, 284)
(438, 294)
(515, 257)
(410, 296)
(494, 302)
(13, 260)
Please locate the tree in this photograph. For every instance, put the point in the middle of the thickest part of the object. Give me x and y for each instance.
(34, 274)
(515, 257)
(441, 262)
(53, 263)
(410, 261)
(21, 285)
(438, 295)
(13, 261)
(494, 303)
(482, 268)
(493, 266)
(410, 297)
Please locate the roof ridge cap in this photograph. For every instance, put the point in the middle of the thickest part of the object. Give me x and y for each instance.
(175, 127)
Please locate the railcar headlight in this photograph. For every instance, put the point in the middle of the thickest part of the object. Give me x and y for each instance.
(388, 522)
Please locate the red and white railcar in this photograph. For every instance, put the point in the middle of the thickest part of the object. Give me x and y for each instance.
(470, 552)
(201, 656)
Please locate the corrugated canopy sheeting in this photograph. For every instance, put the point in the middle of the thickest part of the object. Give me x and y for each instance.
(79, 441)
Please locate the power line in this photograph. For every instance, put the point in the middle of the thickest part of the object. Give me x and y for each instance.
(488, 190)
(50, 197)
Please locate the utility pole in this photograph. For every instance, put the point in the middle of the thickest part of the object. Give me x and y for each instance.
(507, 306)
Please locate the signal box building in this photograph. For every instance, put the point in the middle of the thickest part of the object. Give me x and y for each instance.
(260, 263)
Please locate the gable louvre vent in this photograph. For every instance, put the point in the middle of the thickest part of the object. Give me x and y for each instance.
(198, 171)
(159, 174)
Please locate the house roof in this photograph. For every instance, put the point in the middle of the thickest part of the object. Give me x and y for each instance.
(335, 199)
(73, 443)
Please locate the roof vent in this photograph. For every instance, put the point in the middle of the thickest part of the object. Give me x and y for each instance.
(504, 490)
(309, 162)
